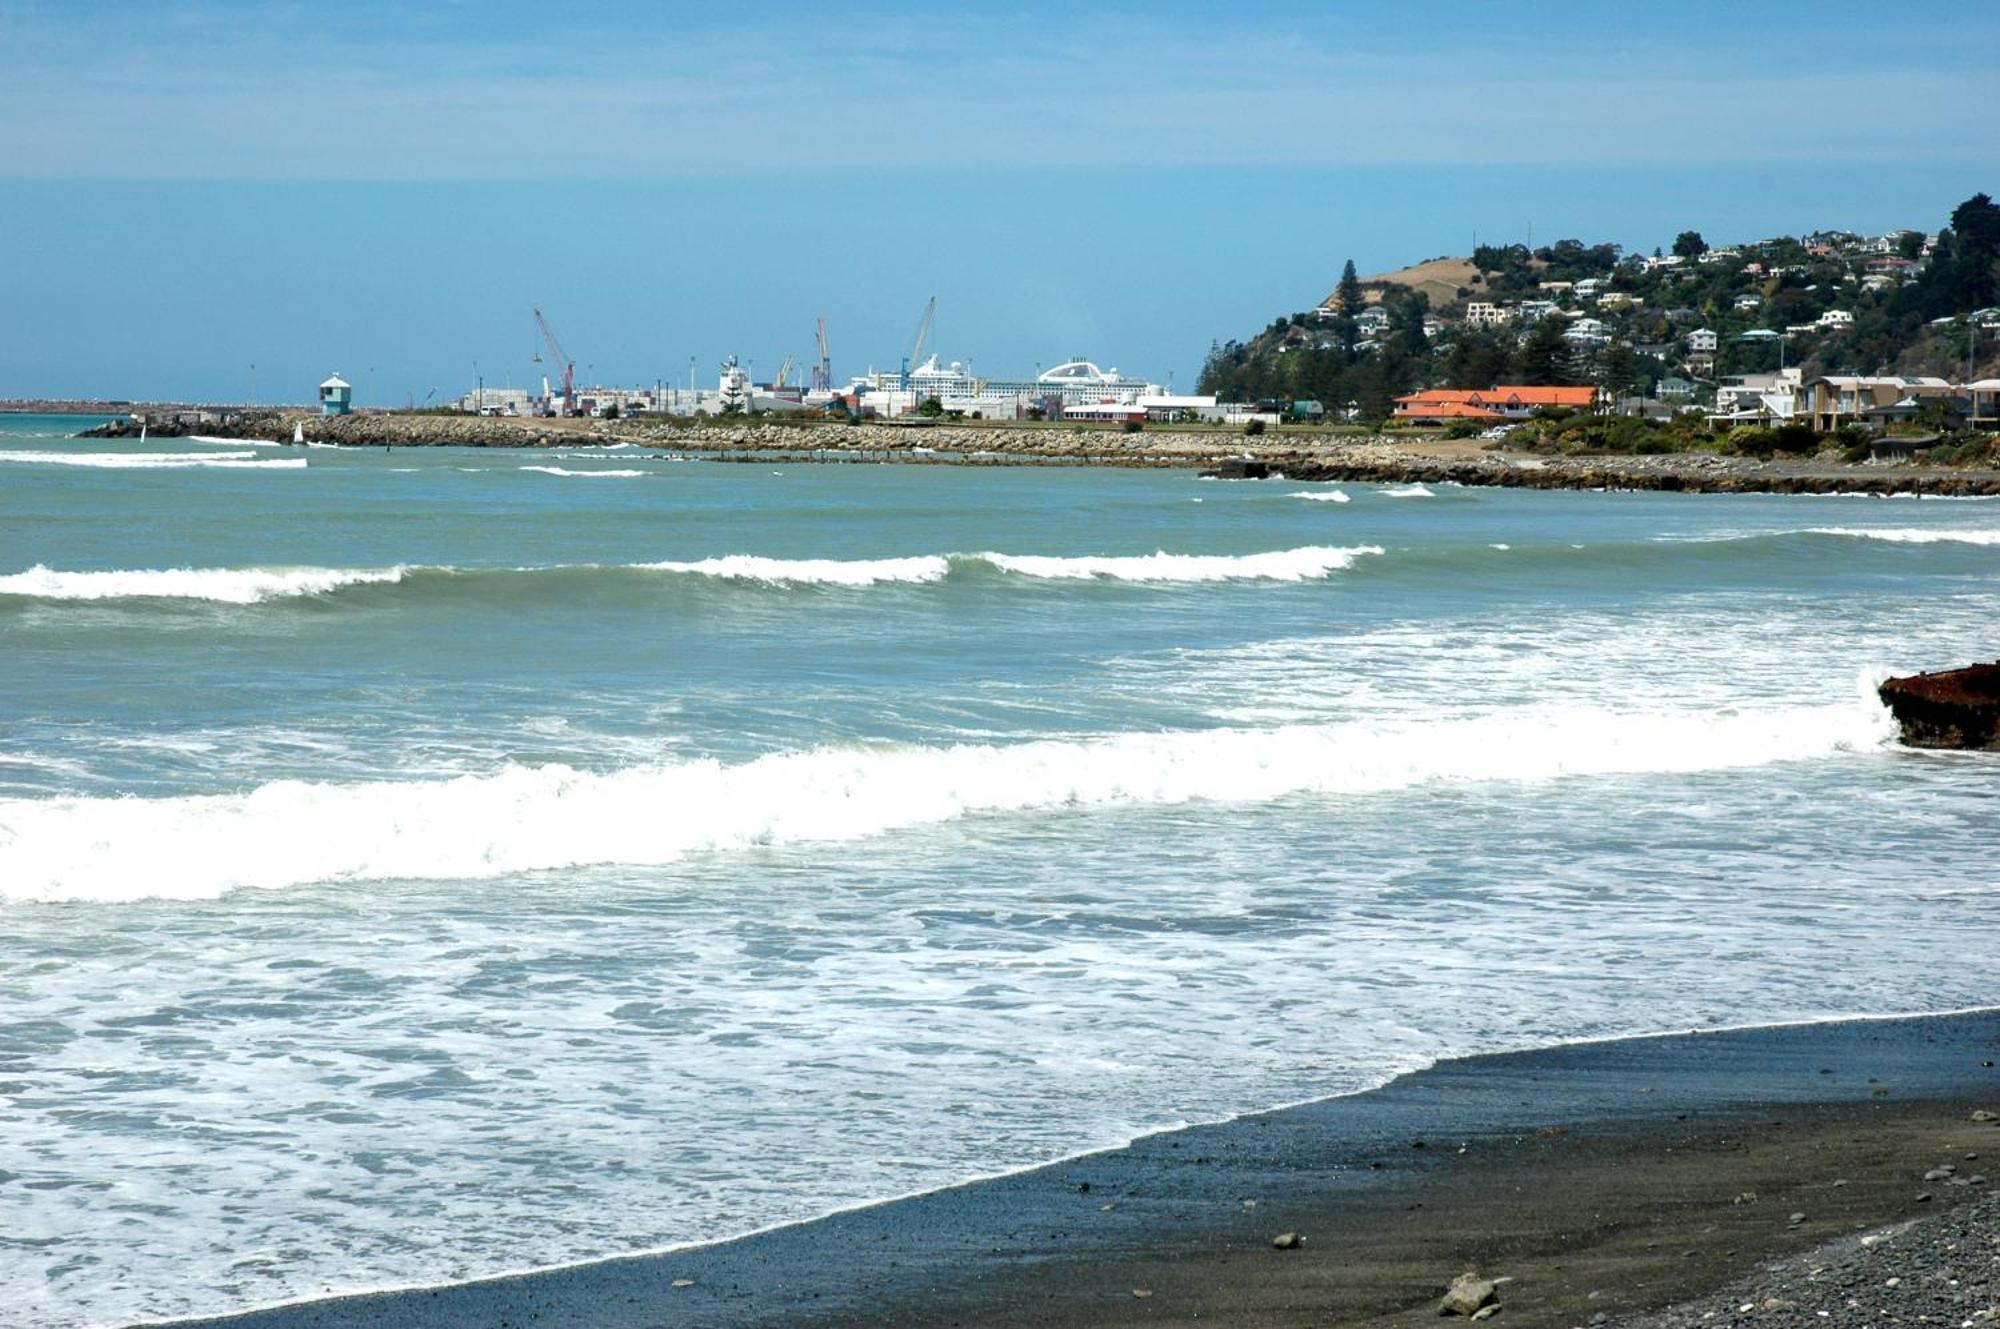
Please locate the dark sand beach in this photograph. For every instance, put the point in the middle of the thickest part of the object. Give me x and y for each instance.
(1600, 1182)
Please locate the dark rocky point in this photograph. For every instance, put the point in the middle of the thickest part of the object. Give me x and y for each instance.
(1957, 708)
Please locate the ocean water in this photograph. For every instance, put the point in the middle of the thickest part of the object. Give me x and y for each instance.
(428, 864)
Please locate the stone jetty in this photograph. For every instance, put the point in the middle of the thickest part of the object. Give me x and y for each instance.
(1280, 455)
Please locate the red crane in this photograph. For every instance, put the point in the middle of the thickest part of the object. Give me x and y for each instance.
(562, 362)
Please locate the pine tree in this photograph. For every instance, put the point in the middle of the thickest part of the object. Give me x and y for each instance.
(1544, 358)
(1349, 297)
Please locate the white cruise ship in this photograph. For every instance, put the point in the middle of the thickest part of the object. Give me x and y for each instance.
(1077, 385)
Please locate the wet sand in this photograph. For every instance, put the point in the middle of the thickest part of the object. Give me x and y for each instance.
(1602, 1179)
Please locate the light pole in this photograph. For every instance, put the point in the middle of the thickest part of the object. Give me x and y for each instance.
(253, 385)
(479, 389)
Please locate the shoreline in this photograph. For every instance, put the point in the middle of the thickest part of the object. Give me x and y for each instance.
(1299, 457)
(1432, 1168)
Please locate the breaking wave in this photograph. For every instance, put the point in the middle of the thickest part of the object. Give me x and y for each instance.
(1301, 564)
(1406, 491)
(155, 460)
(257, 585)
(1911, 535)
(240, 586)
(1321, 495)
(532, 818)
(564, 470)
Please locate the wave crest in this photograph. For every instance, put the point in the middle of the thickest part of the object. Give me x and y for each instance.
(525, 819)
(156, 460)
(1910, 535)
(240, 586)
(1311, 561)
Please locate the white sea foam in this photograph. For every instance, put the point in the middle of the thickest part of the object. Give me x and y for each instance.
(1406, 491)
(1911, 535)
(813, 571)
(1322, 495)
(564, 470)
(225, 585)
(153, 460)
(532, 818)
(1308, 562)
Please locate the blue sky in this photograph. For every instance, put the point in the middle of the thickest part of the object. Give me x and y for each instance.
(190, 189)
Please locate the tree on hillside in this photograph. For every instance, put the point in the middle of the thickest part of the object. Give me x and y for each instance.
(1619, 371)
(1349, 296)
(1544, 359)
(1406, 323)
(1689, 244)
(1478, 360)
(1975, 227)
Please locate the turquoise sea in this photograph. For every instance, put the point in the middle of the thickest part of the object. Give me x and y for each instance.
(423, 864)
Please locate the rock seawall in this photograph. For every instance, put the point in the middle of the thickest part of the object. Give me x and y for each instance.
(1376, 460)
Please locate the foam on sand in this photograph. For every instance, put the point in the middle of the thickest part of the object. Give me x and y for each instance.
(239, 586)
(528, 818)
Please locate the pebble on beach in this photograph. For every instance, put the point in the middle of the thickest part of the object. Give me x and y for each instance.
(1468, 1295)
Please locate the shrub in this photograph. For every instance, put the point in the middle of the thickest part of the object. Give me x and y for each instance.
(1753, 439)
(1253, 428)
(1461, 429)
(1795, 438)
(1135, 426)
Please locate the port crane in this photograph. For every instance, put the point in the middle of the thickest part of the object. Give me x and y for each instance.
(561, 364)
(785, 371)
(916, 356)
(823, 371)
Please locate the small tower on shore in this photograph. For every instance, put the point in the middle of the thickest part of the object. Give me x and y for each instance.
(336, 396)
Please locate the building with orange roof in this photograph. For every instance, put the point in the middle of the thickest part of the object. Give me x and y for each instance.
(1503, 402)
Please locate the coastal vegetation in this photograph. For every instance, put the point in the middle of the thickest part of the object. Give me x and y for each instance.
(1573, 313)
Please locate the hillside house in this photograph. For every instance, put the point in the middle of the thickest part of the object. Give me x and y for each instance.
(1876, 402)
(1703, 341)
(1485, 314)
(1504, 402)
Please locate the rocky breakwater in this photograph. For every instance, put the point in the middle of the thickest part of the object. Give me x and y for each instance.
(728, 439)
(1703, 473)
(1956, 708)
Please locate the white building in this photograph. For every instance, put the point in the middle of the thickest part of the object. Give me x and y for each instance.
(1589, 288)
(1749, 300)
(1486, 314)
(1836, 318)
(1748, 398)
(1703, 341)
(497, 401)
(1587, 332)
